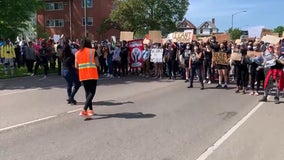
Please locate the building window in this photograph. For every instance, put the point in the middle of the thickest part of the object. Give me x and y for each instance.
(54, 23)
(54, 6)
(89, 3)
(89, 21)
(201, 31)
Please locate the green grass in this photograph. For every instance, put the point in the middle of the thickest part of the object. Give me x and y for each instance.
(21, 72)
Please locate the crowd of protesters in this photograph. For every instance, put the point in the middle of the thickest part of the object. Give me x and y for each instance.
(188, 61)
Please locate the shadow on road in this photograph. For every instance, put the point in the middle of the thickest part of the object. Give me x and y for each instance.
(125, 115)
(107, 103)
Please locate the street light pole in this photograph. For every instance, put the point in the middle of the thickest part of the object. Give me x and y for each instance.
(85, 15)
(233, 17)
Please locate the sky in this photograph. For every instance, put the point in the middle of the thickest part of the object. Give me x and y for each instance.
(258, 13)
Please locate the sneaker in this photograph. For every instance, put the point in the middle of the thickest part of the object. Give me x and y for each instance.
(225, 86)
(202, 88)
(186, 80)
(219, 86)
(191, 86)
(252, 93)
(90, 112)
(243, 92)
(237, 91)
(256, 94)
(263, 99)
(276, 100)
(84, 114)
(204, 81)
(32, 74)
(72, 102)
(44, 77)
(209, 82)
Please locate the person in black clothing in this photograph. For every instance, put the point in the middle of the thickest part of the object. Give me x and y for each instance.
(242, 71)
(124, 58)
(70, 74)
(195, 66)
(207, 63)
(42, 59)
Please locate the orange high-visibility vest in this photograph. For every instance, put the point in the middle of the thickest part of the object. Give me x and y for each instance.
(87, 65)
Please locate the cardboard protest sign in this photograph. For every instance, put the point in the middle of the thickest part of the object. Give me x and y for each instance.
(271, 39)
(265, 32)
(156, 55)
(185, 37)
(136, 58)
(235, 56)
(155, 36)
(253, 54)
(126, 36)
(220, 58)
(222, 37)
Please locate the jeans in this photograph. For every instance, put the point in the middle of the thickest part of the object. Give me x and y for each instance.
(207, 69)
(71, 78)
(196, 68)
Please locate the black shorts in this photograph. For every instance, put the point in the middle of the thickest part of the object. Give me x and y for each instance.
(186, 63)
(221, 66)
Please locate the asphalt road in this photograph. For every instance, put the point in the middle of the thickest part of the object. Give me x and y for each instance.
(136, 119)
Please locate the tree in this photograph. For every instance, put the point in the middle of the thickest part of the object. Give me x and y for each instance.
(279, 30)
(235, 33)
(14, 16)
(141, 16)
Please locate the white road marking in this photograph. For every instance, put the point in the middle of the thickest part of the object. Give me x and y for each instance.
(19, 91)
(76, 110)
(218, 143)
(26, 123)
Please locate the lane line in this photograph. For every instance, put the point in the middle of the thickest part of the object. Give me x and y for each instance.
(219, 142)
(76, 110)
(26, 123)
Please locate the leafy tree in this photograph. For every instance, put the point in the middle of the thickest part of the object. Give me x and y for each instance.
(235, 33)
(141, 16)
(279, 30)
(14, 15)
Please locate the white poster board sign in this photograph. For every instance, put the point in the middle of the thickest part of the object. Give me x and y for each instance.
(56, 38)
(156, 55)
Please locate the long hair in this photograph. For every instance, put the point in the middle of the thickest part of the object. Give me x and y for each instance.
(67, 52)
(85, 43)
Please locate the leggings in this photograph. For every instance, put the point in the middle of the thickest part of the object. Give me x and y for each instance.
(90, 87)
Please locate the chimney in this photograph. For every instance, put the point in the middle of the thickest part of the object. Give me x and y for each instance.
(213, 20)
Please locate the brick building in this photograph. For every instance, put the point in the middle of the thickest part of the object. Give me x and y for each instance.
(68, 17)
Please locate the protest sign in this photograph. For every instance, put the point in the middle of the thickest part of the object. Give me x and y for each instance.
(126, 36)
(271, 39)
(220, 58)
(185, 37)
(136, 47)
(156, 55)
(235, 56)
(155, 36)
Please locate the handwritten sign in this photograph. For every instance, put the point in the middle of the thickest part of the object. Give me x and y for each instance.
(156, 55)
(184, 37)
(220, 58)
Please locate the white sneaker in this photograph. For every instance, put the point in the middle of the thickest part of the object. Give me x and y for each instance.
(209, 82)
(204, 81)
(32, 74)
(44, 77)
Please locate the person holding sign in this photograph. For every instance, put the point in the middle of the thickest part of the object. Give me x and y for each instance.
(274, 75)
(146, 61)
(195, 66)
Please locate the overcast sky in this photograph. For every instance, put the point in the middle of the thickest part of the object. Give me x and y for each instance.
(265, 13)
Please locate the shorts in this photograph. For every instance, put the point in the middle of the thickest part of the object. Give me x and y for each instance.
(221, 66)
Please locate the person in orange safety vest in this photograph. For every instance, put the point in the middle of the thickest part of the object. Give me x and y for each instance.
(86, 61)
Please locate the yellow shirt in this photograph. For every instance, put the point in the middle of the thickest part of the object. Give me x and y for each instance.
(7, 51)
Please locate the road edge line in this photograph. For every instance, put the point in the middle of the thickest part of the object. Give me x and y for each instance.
(220, 141)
